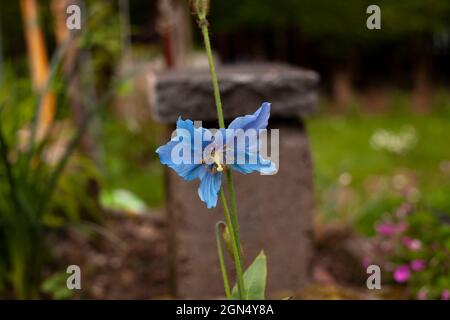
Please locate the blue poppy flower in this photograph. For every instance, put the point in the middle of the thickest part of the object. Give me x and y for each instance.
(205, 154)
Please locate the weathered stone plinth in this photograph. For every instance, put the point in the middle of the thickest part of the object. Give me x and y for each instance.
(275, 212)
(189, 93)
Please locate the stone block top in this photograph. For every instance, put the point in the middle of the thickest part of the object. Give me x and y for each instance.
(188, 93)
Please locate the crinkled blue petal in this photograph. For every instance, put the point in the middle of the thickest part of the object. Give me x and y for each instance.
(192, 169)
(209, 187)
(258, 120)
(186, 131)
(186, 171)
(262, 165)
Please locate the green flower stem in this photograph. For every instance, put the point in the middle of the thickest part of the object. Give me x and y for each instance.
(223, 268)
(234, 220)
(204, 26)
(231, 220)
(235, 247)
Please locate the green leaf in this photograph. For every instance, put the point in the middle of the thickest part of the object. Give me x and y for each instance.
(121, 199)
(125, 88)
(254, 280)
(55, 286)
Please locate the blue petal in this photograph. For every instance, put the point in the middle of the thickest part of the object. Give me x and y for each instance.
(192, 169)
(185, 170)
(190, 172)
(209, 188)
(248, 154)
(258, 120)
(187, 132)
(165, 152)
(262, 165)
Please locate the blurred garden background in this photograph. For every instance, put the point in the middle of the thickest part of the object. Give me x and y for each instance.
(80, 180)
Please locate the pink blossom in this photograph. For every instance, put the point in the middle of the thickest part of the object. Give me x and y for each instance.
(402, 273)
(418, 265)
(412, 244)
(386, 246)
(366, 261)
(401, 227)
(385, 229)
(422, 294)
(404, 210)
(445, 295)
(388, 229)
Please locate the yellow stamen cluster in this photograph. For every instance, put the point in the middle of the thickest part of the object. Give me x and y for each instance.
(216, 159)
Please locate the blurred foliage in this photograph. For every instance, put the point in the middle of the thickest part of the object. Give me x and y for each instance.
(133, 166)
(328, 18)
(357, 182)
(123, 165)
(122, 200)
(332, 24)
(104, 46)
(335, 26)
(41, 187)
(11, 24)
(421, 247)
(56, 288)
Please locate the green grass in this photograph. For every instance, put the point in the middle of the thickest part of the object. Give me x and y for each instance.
(341, 144)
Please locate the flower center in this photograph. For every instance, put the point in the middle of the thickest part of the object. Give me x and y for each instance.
(216, 158)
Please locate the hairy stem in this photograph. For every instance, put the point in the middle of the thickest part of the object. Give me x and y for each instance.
(235, 247)
(234, 220)
(204, 27)
(223, 269)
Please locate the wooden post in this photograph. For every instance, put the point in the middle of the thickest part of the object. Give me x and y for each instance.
(38, 61)
(175, 29)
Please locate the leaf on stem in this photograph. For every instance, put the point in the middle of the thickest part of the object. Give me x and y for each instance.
(254, 279)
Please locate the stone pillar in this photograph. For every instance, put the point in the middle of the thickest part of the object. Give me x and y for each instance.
(275, 212)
